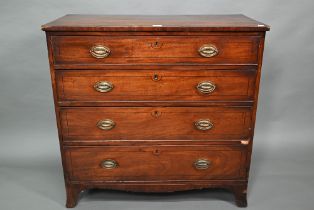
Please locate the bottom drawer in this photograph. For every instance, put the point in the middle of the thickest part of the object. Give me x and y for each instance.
(155, 163)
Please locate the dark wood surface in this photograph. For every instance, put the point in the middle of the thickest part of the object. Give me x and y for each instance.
(155, 140)
(88, 23)
(159, 85)
(138, 163)
(140, 49)
(156, 123)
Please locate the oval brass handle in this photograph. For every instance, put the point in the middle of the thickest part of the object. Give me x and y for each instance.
(204, 125)
(109, 164)
(100, 51)
(206, 87)
(202, 164)
(103, 86)
(106, 124)
(208, 50)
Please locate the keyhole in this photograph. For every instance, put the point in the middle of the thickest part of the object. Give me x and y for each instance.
(156, 152)
(155, 77)
(156, 44)
(156, 113)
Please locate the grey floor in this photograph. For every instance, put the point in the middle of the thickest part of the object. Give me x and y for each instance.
(280, 179)
(40, 186)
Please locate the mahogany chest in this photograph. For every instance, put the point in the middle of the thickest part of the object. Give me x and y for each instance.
(155, 103)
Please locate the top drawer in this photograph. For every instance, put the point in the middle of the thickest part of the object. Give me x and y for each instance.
(102, 50)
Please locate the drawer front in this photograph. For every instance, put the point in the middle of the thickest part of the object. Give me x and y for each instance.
(155, 163)
(97, 50)
(155, 123)
(158, 85)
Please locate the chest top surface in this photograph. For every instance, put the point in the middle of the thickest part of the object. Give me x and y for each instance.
(75, 22)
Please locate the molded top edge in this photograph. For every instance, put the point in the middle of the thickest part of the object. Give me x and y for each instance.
(202, 23)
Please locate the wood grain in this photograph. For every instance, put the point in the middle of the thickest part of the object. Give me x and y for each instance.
(155, 163)
(155, 140)
(158, 123)
(140, 85)
(168, 23)
(140, 49)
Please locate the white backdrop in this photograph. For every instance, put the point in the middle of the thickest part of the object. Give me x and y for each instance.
(282, 170)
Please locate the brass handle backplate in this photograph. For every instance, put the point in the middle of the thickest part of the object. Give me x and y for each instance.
(100, 51)
(208, 50)
(103, 86)
(106, 124)
(109, 164)
(204, 124)
(201, 164)
(206, 87)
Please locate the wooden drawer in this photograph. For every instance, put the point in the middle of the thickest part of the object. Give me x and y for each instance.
(155, 49)
(155, 163)
(158, 85)
(155, 123)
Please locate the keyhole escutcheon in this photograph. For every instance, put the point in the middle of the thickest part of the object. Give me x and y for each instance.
(156, 113)
(156, 77)
(156, 44)
(156, 152)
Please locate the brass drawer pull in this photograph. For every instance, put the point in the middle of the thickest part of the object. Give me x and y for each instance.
(106, 124)
(204, 125)
(208, 50)
(100, 51)
(103, 86)
(109, 164)
(206, 87)
(202, 164)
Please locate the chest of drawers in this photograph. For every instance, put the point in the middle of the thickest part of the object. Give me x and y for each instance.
(155, 103)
